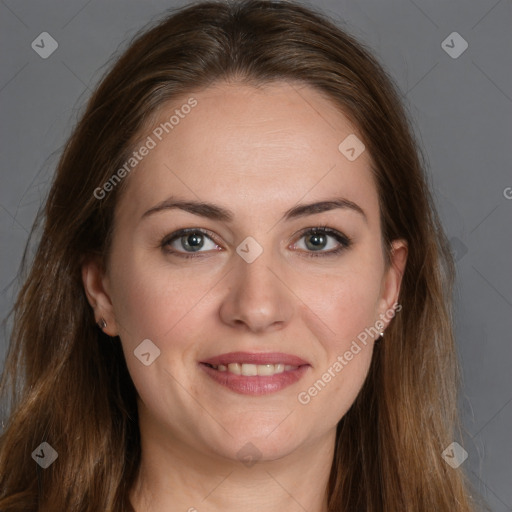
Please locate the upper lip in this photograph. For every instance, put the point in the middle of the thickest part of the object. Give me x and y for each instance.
(256, 358)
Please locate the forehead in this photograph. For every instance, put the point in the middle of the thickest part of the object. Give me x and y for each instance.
(258, 149)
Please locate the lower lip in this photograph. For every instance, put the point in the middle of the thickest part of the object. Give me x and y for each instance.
(255, 385)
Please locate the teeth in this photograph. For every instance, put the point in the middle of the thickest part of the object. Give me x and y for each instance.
(235, 368)
(266, 369)
(251, 370)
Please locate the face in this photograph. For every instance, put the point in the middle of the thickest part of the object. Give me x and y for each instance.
(257, 313)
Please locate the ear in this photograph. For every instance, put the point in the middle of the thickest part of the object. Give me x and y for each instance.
(391, 282)
(96, 288)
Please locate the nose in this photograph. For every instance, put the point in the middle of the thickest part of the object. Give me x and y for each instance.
(258, 298)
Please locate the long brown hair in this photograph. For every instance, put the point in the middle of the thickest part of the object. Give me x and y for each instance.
(67, 383)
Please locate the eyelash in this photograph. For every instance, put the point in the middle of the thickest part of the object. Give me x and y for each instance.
(344, 241)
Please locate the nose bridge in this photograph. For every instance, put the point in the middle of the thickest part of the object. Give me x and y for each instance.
(255, 278)
(256, 297)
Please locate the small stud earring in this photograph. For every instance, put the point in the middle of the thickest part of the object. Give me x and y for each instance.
(382, 334)
(102, 323)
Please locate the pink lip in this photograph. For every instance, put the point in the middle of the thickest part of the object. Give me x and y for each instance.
(255, 385)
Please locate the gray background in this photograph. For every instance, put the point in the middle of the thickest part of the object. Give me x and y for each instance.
(461, 110)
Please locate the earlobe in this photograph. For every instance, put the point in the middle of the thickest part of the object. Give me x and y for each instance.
(94, 281)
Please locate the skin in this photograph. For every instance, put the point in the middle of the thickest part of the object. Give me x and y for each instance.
(256, 152)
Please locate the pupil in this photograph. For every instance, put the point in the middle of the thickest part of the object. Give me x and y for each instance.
(194, 241)
(316, 241)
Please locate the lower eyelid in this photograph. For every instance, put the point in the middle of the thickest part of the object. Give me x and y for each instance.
(332, 252)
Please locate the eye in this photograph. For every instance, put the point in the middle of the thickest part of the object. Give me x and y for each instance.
(190, 240)
(317, 240)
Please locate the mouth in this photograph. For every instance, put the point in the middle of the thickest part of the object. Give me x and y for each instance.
(255, 374)
(251, 370)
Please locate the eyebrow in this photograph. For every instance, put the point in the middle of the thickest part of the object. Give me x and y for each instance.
(215, 212)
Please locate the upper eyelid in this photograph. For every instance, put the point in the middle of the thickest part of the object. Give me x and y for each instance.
(185, 231)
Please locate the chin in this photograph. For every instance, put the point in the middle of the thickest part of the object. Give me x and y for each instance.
(260, 442)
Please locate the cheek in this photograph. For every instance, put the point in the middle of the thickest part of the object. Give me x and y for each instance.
(346, 302)
(347, 306)
(150, 298)
(353, 307)
(153, 302)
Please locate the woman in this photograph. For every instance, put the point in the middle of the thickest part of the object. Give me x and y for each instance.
(241, 297)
